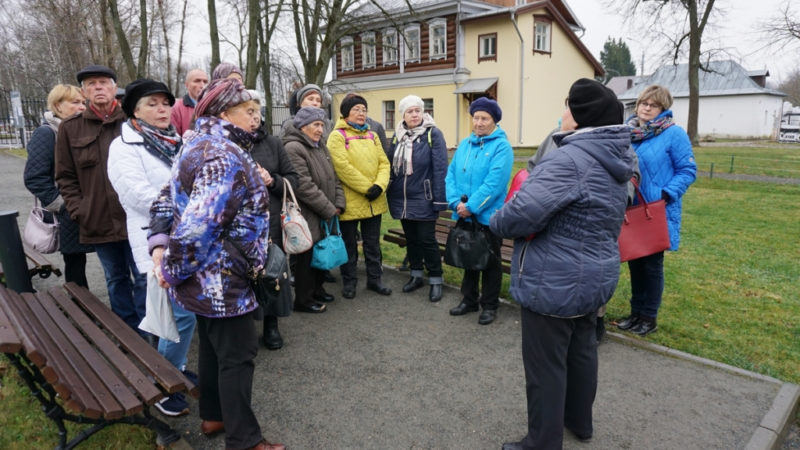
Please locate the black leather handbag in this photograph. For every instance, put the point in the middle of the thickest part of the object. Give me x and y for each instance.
(467, 246)
(271, 285)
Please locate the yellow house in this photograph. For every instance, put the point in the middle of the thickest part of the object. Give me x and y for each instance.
(523, 54)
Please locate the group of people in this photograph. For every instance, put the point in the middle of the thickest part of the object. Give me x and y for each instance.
(190, 191)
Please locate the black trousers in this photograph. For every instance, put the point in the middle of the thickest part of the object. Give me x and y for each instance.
(370, 241)
(227, 349)
(307, 280)
(492, 277)
(75, 268)
(560, 359)
(423, 250)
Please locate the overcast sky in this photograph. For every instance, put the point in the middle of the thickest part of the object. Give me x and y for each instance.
(737, 31)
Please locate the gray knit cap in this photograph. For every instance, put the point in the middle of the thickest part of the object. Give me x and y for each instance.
(307, 115)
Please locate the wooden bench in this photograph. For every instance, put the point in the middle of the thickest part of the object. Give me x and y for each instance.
(38, 264)
(443, 225)
(84, 364)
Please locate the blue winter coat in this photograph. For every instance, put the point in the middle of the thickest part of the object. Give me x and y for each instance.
(574, 200)
(480, 169)
(667, 165)
(421, 195)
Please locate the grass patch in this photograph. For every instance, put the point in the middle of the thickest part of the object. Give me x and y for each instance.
(776, 160)
(731, 291)
(20, 152)
(25, 426)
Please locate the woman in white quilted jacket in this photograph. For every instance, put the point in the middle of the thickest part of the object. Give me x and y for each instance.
(139, 165)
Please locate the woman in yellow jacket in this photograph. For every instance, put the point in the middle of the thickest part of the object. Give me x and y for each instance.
(363, 169)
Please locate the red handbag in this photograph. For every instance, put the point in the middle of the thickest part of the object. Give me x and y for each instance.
(644, 229)
(516, 183)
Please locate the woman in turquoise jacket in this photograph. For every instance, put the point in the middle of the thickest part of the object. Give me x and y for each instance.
(479, 171)
(668, 169)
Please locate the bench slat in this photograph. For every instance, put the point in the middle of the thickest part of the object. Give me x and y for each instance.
(41, 263)
(168, 376)
(9, 339)
(66, 382)
(95, 371)
(136, 379)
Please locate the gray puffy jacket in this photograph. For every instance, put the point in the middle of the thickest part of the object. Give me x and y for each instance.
(574, 200)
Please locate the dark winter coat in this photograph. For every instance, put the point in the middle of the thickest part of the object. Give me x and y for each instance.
(268, 152)
(81, 162)
(319, 191)
(421, 195)
(39, 179)
(574, 200)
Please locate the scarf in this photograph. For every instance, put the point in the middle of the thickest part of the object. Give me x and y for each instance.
(161, 143)
(404, 150)
(358, 127)
(52, 121)
(650, 129)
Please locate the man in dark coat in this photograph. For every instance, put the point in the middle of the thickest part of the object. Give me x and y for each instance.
(82, 177)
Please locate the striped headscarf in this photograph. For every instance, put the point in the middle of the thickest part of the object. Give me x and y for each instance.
(221, 95)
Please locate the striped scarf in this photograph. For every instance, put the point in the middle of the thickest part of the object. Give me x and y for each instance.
(163, 144)
(650, 129)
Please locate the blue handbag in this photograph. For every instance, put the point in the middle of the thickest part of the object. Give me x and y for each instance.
(330, 251)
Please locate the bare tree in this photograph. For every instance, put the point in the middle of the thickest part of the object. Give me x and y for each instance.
(681, 23)
(783, 28)
(214, 33)
(791, 86)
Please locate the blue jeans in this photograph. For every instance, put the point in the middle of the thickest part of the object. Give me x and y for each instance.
(647, 285)
(175, 352)
(127, 288)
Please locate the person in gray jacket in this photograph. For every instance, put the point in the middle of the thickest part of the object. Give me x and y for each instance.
(574, 200)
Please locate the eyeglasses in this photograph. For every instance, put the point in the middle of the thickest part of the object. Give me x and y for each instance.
(650, 105)
(358, 110)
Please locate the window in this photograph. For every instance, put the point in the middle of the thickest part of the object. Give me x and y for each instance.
(389, 46)
(388, 114)
(368, 50)
(437, 30)
(541, 34)
(411, 38)
(347, 53)
(487, 47)
(428, 108)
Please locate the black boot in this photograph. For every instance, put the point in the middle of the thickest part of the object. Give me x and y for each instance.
(436, 293)
(600, 329)
(413, 284)
(645, 326)
(272, 337)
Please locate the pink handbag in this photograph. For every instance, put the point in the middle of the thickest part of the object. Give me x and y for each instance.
(41, 235)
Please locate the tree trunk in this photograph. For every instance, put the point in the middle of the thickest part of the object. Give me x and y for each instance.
(162, 12)
(144, 41)
(122, 40)
(694, 71)
(264, 65)
(252, 67)
(212, 25)
(178, 70)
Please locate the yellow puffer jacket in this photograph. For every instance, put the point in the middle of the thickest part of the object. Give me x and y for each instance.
(359, 164)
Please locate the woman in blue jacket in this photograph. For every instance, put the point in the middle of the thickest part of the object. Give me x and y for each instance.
(479, 171)
(416, 190)
(574, 200)
(668, 169)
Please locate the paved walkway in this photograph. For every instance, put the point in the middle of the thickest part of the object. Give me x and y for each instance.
(399, 372)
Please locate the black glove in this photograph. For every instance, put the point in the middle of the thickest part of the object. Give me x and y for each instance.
(665, 196)
(373, 192)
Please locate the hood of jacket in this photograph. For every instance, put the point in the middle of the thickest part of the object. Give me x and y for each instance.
(609, 145)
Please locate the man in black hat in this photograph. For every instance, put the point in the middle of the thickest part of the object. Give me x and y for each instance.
(81, 158)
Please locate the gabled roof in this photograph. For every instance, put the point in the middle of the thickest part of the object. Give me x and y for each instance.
(724, 78)
(392, 10)
(621, 84)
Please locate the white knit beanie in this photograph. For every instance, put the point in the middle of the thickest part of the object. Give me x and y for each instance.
(409, 101)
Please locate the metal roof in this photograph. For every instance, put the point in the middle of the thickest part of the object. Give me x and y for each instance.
(476, 86)
(724, 78)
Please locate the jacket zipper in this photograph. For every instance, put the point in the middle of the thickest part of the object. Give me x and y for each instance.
(522, 256)
(405, 197)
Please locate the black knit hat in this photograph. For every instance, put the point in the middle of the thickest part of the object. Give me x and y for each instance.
(95, 70)
(349, 102)
(487, 105)
(142, 88)
(594, 105)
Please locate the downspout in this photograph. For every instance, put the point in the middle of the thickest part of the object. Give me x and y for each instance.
(459, 63)
(521, 73)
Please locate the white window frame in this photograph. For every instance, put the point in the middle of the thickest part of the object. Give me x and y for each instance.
(415, 44)
(348, 54)
(389, 46)
(482, 39)
(434, 25)
(542, 32)
(368, 54)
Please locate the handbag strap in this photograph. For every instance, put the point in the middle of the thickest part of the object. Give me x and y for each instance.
(37, 206)
(288, 187)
